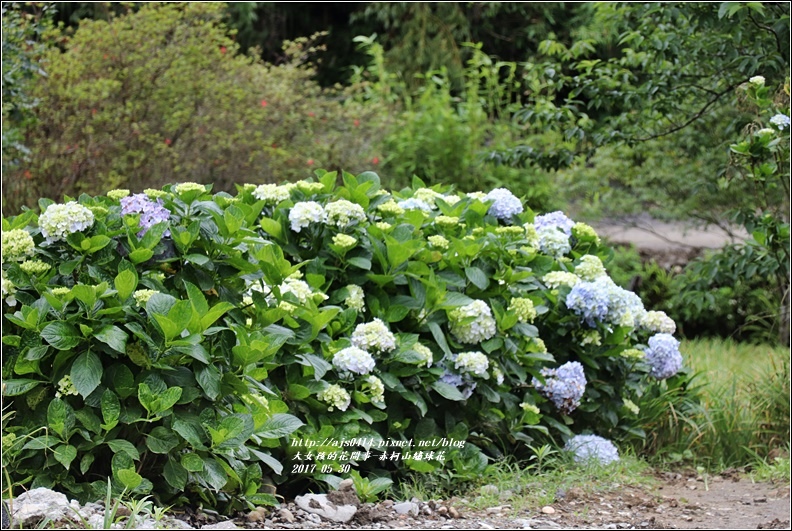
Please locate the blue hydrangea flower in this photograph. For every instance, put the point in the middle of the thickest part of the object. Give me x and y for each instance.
(554, 220)
(663, 356)
(553, 242)
(592, 447)
(780, 120)
(564, 386)
(505, 204)
(465, 384)
(415, 204)
(590, 301)
(150, 212)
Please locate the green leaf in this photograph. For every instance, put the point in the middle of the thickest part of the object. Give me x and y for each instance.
(97, 243)
(86, 373)
(272, 227)
(208, 378)
(19, 386)
(454, 299)
(448, 391)
(268, 460)
(65, 454)
(215, 313)
(439, 337)
(125, 283)
(85, 294)
(61, 335)
(359, 261)
(140, 255)
(129, 478)
(175, 474)
(112, 336)
(60, 417)
(477, 277)
(214, 474)
(190, 430)
(192, 462)
(122, 445)
(147, 399)
(279, 425)
(320, 366)
(161, 440)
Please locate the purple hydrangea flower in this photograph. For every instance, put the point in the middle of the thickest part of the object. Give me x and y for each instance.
(150, 212)
(592, 447)
(554, 220)
(663, 356)
(590, 301)
(505, 204)
(564, 386)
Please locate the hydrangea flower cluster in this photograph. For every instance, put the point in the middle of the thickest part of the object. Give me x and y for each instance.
(300, 289)
(374, 336)
(17, 244)
(336, 396)
(505, 204)
(342, 213)
(439, 242)
(34, 267)
(272, 194)
(310, 188)
(61, 290)
(376, 390)
(66, 387)
(345, 241)
(355, 299)
(118, 194)
(601, 300)
(663, 356)
(757, 80)
(472, 363)
(151, 212)
(415, 204)
(553, 242)
(182, 188)
(655, 321)
(480, 329)
(498, 375)
(564, 386)
(7, 289)
(592, 447)
(585, 232)
(464, 385)
(141, 296)
(425, 353)
(427, 195)
(390, 207)
(531, 235)
(304, 213)
(523, 308)
(555, 279)
(554, 220)
(447, 221)
(780, 120)
(353, 359)
(530, 408)
(58, 221)
(590, 268)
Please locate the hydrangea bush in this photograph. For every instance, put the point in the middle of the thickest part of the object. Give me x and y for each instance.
(188, 343)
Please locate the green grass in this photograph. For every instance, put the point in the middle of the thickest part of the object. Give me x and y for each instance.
(745, 393)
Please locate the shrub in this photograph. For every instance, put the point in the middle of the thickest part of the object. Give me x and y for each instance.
(313, 324)
(162, 93)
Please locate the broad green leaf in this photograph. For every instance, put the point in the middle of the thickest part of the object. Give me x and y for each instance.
(192, 462)
(271, 227)
(61, 335)
(113, 336)
(319, 365)
(214, 474)
(60, 417)
(125, 283)
(359, 261)
(161, 440)
(208, 378)
(86, 373)
(477, 277)
(19, 386)
(190, 429)
(90, 421)
(439, 337)
(122, 445)
(86, 462)
(129, 478)
(214, 313)
(448, 391)
(140, 255)
(147, 399)
(279, 425)
(175, 474)
(85, 294)
(65, 454)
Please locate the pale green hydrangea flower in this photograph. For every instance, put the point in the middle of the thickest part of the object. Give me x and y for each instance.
(66, 387)
(60, 220)
(498, 375)
(374, 336)
(118, 193)
(355, 298)
(629, 405)
(34, 267)
(142, 296)
(658, 322)
(376, 390)
(633, 354)
(447, 221)
(345, 241)
(271, 193)
(538, 344)
(391, 207)
(17, 244)
(8, 290)
(425, 353)
(473, 363)
(759, 81)
(530, 408)
(336, 396)
(59, 291)
(438, 242)
(590, 268)
(342, 213)
(591, 337)
(452, 199)
(554, 279)
(383, 226)
(531, 235)
(480, 329)
(182, 188)
(585, 233)
(511, 231)
(426, 195)
(153, 193)
(477, 195)
(523, 308)
(310, 188)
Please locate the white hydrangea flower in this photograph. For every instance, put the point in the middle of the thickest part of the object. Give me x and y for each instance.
(304, 213)
(353, 359)
(300, 289)
(272, 193)
(780, 120)
(8, 290)
(553, 242)
(58, 221)
(481, 196)
(498, 375)
(355, 299)
(425, 353)
(757, 80)
(336, 396)
(17, 244)
(480, 329)
(374, 336)
(342, 213)
(473, 363)
(452, 199)
(658, 322)
(590, 268)
(554, 279)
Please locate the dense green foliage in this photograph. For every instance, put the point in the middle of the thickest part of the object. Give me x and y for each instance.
(178, 345)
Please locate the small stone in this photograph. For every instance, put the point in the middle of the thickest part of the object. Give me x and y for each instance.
(319, 505)
(453, 513)
(255, 516)
(228, 524)
(346, 484)
(406, 508)
(494, 510)
(442, 510)
(761, 499)
(286, 515)
(489, 490)
(548, 510)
